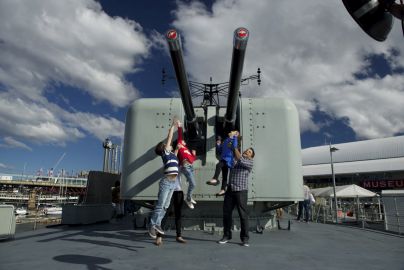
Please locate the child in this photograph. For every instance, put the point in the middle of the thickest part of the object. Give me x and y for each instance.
(167, 182)
(226, 161)
(186, 159)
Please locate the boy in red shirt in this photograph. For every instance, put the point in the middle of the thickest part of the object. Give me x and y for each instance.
(186, 159)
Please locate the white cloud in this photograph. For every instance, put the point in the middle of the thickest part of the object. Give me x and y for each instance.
(34, 122)
(309, 52)
(102, 127)
(74, 43)
(12, 143)
(45, 44)
(49, 124)
(4, 166)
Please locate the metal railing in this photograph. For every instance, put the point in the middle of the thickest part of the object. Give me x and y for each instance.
(387, 217)
(45, 180)
(4, 196)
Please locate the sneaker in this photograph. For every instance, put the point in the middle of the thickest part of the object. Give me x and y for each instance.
(189, 203)
(245, 244)
(224, 240)
(193, 201)
(181, 240)
(158, 229)
(152, 232)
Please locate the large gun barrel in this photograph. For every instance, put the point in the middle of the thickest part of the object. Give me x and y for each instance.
(239, 48)
(174, 44)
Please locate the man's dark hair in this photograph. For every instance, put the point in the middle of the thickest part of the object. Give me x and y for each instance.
(253, 152)
(159, 149)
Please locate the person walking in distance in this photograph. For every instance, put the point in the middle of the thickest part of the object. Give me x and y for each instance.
(306, 202)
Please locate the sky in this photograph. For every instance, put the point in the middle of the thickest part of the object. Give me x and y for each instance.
(70, 69)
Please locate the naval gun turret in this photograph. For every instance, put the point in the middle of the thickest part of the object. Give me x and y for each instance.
(236, 70)
(174, 45)
(269, 125)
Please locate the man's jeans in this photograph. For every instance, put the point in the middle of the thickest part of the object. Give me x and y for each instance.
(166, 189)
(188, 171)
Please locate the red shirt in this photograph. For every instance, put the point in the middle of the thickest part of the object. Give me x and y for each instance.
(184, 153)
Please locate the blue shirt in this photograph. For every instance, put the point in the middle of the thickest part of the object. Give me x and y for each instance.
(226, 150)
(171, 164)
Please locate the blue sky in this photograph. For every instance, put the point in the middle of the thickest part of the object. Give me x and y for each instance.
(70, 69)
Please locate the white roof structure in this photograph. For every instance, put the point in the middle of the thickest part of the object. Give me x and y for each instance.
(378, 155)
(346, 191)
(393, 192)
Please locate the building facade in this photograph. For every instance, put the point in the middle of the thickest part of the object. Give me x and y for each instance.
(376, 164)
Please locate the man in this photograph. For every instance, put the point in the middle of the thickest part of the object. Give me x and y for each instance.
(236, 195)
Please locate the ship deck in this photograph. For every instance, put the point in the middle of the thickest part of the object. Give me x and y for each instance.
(116, 245)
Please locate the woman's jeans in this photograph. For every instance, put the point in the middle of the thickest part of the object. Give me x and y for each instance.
(166, 189)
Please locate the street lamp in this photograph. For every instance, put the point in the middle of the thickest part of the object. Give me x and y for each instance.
(334, 149)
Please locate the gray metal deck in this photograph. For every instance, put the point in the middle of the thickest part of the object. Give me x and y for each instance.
(118, 246)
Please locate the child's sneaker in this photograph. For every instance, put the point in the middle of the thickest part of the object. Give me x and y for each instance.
(152, 232)
(158, 229)
(189, 203)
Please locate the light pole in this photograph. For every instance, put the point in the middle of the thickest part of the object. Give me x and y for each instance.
(334, 149)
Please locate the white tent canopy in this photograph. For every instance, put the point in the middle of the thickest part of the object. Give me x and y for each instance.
(346, 191)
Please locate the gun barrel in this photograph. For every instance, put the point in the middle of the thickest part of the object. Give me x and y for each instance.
(239, 48)
(174, 44)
